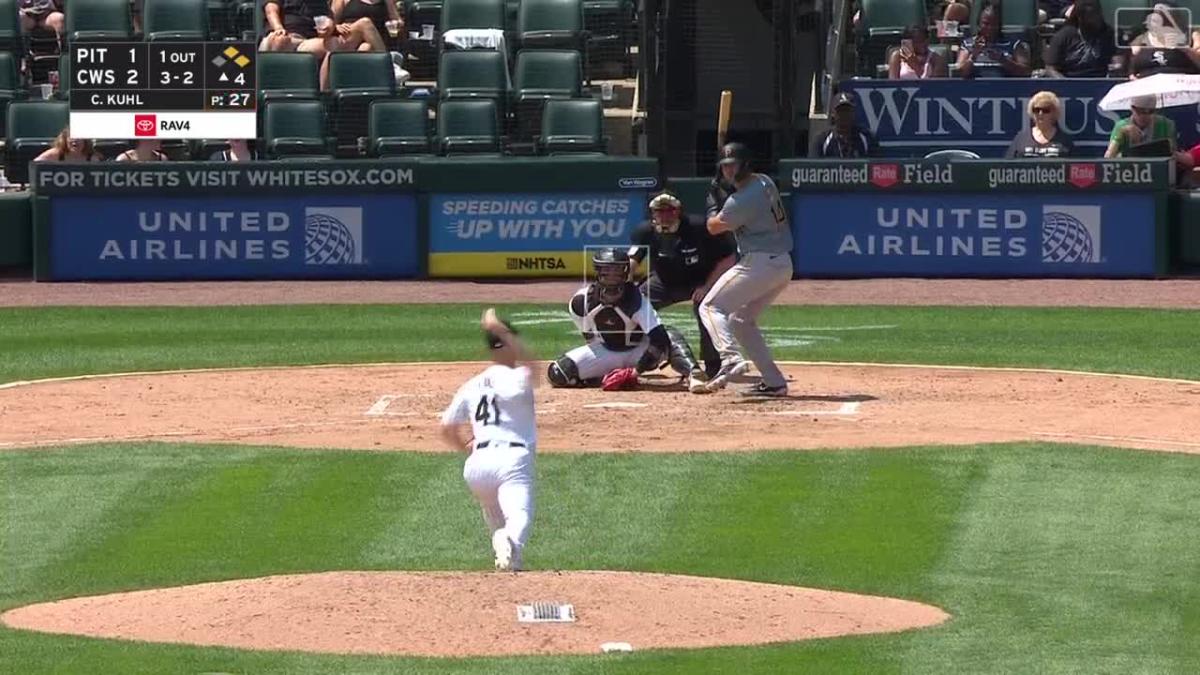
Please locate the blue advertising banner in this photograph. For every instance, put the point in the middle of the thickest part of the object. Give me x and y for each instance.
(313, 237)
(505, 234)
(913, 117)
(976, 235)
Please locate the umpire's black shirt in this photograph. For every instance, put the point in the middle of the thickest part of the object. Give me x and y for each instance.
(685, 258)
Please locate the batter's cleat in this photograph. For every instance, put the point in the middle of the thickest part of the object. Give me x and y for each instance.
(504, 551)
(763, 390)
(728, 371)
(698, 382)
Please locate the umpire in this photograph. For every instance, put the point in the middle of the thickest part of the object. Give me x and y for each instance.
(685, 261)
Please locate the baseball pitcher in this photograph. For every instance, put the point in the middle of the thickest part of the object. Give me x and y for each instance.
(498, 406)
(751, 208)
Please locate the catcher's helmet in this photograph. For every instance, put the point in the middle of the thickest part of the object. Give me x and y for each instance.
(665, 210)
(612, 272)
(736, 153)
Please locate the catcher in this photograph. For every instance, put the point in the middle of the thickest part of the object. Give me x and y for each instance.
(623, 335)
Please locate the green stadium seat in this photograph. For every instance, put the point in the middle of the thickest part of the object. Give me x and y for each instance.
(471, 14)
(883, 23)
(423, 53)
(355, 80)
(286, 75)
(472, 74)
(30, 128)
(399, 127)
(550, 23)
(64, 77)
(10, 84)
(295, 128)
(178, 20)
(98, 20)
(468, 127)
(572, 126)
(10, 26)
(540, 75)
(609, 29)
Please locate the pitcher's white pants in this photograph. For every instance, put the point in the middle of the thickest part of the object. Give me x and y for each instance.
(501, 478)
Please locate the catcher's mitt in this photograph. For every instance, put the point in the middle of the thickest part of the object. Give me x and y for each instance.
(620, 379)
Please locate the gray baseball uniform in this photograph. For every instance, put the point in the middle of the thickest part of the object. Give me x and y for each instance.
(764, 268)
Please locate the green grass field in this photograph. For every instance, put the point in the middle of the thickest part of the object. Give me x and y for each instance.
(1050, 558)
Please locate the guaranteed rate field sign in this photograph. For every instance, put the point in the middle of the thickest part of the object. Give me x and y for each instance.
(524, 235)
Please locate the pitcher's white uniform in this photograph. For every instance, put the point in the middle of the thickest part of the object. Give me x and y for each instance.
(499, 405)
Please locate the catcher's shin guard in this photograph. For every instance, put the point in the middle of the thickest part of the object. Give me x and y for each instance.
(680, 357)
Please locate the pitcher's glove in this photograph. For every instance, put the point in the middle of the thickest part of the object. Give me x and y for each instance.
(620, 379)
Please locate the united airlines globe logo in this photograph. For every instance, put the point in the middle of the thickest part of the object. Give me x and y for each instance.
(1069, 236)
(333, 236)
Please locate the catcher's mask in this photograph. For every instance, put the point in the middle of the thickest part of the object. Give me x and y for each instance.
(665, 210)
(737, 155)
(612, 272)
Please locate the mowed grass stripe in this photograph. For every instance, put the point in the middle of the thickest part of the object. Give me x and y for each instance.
(255, 513)
(53, 342)
(1066, 556)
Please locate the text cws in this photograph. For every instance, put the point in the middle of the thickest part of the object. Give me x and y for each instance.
(555, 218)
(275, 177)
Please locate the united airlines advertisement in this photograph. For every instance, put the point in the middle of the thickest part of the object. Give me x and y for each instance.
(974, 235)
(318, 237)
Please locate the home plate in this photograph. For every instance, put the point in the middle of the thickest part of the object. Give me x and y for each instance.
(615, 404)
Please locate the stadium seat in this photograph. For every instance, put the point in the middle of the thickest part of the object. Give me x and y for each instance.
(472, 74)
(178, 20)
(64, 77)
(355, 80)
(572, 126)
(295, 128)
(471, 14)
(30, 128)
(883, 25)
(98, 20)
(285, 75)
(609, 30)
(542, 74)
(10, 26)
(10, 84)
(399, 127)
(468, 127)
(423, 52)
(550, 23)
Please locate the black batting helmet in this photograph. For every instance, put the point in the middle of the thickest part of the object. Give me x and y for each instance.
(612, 272)
(736, 153)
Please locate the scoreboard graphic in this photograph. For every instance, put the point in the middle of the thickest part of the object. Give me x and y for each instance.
(135, 90)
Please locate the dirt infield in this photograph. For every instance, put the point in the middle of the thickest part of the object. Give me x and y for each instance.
(1175, 293)
(395, 407)
(472, 614)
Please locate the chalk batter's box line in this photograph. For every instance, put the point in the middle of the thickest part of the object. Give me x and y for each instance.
(587, 269)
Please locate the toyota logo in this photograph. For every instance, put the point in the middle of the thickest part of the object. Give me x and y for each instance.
(145, 125)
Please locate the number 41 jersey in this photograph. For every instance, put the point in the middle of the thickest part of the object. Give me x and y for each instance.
(499, 405)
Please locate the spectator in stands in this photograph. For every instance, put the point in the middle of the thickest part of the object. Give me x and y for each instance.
(844, 140)
(1085, 46)
(1188, 162)
(67, 149)
(238, 151)
(1162, 48)
(43, 14)
(378, 11)
(1054, 9)
(1142, 126)
(986, 54)
(953, 10)
(1043, 138)
(293, 27)
(144, 151)
(914, 60)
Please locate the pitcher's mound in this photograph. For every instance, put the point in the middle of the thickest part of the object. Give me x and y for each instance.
(473, 614)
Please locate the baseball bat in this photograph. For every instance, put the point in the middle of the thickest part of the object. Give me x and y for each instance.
(723, 118)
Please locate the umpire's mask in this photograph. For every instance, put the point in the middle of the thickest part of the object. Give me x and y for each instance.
(665, 211)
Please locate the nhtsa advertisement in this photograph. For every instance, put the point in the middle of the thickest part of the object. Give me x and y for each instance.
(525, 235)
(318, 237)
(974, 235)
